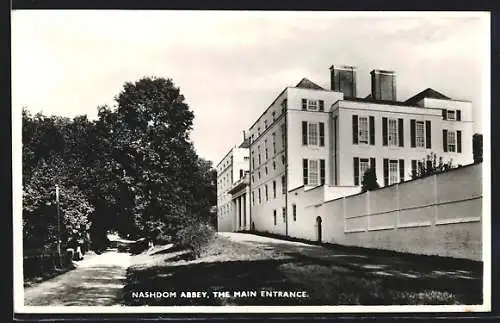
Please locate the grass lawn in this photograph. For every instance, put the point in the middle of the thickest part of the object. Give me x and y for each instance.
(228, 266)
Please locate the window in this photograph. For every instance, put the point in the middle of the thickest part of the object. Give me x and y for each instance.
(253, 198)
(274, 115)
(294, 212)
(283, 211)
(266, 170)
(274, 189)
(258, 174)
(312, 105)
(364, 165)
(265, 124)
(253, 179)
(393, 132)
(258, 131)
(363, 130)
(274, 216)
(419, 134)
(284, 105)
(283, 159)
(260, 160)
(267, 195)
(260, 200)
(450, 114)
(253, 162)
(267, 153)
(283, 135)
(283, 184)
(313, 173)
(274, 165)
(393, 172)
(274, 143)
(451, 141)
(241, 173)
(313, 134)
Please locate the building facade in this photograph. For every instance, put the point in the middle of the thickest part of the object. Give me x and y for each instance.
(312, 138)
(232, 196)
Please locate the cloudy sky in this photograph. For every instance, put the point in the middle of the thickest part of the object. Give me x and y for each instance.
(231, 65)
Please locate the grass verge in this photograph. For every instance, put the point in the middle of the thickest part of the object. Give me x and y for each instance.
(327, 277)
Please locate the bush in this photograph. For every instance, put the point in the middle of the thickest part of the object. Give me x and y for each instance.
(196, 237)
(139, 246)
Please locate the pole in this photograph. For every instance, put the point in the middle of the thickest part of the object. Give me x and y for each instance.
(58, 228)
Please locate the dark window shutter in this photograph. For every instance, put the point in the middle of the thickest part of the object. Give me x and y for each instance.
(401, 133)
(321, 105)
(459, 141)
(304, 133)
(305, 170)
(321, 134)
(355, 129)
(428, 139)
(372, 165)
(304, 104)
(372, 130)
(459, 115)
(445, 140)
(445, 116)
(384, 131)
(356, 171)
(386, 171)
(322, 171)
(401, 170)
(412, 133)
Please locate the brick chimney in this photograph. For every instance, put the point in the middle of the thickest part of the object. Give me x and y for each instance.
(383, 85)
(343, 79)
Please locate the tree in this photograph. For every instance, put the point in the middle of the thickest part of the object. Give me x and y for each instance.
(477, 147)
(431, 165)
(369, 182)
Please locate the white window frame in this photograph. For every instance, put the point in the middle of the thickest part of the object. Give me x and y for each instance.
(450, 114)
(364, 165)
(312, 105)
(313, 134)
(451, 141)
(393, 171)
(392, 132)
(313, 174)
(363, 130)
(420, 142)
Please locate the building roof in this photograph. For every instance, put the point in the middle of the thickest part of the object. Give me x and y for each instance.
(370, 99)
(245, 143)
(427, 93)
(308, 84)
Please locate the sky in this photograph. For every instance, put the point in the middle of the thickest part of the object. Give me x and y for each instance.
(231, 65)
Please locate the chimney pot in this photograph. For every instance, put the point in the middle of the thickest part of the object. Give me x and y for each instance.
(383, 85)
(343, 79)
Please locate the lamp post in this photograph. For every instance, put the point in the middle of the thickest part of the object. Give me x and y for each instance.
(58, 228)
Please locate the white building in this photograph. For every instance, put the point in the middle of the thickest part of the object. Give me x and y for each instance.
(315, 138)
(233, 207)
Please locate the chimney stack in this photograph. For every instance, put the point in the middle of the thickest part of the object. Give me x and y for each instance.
(383, 85)
(343, 79)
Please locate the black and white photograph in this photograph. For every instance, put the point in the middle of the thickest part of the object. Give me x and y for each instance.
(182, 161)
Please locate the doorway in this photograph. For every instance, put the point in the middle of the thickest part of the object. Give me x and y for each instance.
(318, 228)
